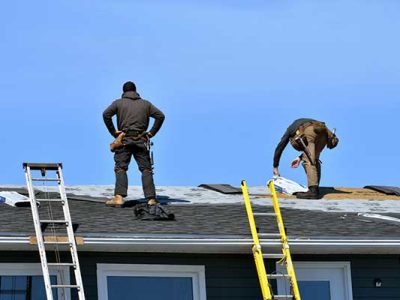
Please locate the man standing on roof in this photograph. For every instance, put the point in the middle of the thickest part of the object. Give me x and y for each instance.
(133, 116)
(310, 137)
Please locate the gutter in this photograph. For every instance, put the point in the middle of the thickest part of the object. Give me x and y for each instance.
(218, 245)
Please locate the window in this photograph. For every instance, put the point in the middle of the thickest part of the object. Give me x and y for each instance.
(320, 280)
(150, 282)
(25, 282)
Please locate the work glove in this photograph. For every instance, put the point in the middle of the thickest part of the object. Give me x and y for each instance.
(295, 162)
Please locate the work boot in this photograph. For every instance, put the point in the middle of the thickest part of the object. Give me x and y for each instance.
(117, 142)
(152, 202)
(117, 201)
(312, 193)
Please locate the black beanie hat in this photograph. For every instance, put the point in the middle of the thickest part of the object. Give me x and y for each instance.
(129, 86)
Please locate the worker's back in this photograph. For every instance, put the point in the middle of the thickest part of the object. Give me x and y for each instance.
(132, 112)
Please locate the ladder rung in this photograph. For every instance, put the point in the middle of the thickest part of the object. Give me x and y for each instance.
(69, 286)
(39, 166)
(270, 234)
(283, 297)
(61, 264)
(57, 242)
(50, 200)
(54, 221)
(265, 214)
(45, 179)
(273, 255)
(278, 276)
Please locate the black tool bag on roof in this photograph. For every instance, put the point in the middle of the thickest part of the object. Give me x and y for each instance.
(155, 212)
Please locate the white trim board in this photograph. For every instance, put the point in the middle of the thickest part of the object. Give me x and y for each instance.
(196, 272)
(195, 244)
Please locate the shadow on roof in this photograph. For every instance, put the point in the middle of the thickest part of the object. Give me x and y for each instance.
(331, 190)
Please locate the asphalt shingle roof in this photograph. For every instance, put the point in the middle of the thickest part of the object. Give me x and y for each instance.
(205, 219)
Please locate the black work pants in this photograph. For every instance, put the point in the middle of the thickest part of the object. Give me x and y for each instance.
(122, 158)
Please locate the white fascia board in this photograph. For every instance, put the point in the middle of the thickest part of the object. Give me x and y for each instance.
(243, 246)
(214, 245)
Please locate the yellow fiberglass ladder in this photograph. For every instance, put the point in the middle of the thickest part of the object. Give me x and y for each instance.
(283, 258)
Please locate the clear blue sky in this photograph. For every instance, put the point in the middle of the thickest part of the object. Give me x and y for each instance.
(229, 75)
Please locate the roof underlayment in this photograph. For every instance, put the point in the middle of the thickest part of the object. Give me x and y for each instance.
(335, 199)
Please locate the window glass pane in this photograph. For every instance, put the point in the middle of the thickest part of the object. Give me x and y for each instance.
(38, 291)
(24, 288)
(149, 288)
(13, 287)
(311, 290)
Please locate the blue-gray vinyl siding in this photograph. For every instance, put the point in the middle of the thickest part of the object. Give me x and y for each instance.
(230, 277)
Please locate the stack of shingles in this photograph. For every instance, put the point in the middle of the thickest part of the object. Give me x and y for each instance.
(388, 190)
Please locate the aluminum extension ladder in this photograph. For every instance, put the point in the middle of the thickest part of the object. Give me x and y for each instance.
(283, 257)
(66, 221)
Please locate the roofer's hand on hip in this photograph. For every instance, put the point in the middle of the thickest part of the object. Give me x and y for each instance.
(275, 171)
(117, 133)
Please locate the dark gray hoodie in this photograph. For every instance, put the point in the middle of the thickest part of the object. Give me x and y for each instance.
(133, 113)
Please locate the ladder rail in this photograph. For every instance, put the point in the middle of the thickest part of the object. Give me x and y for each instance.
(285, 244)
(71, 235)
(42, 240)
(285, 257)
(258, 257)
(39, 236)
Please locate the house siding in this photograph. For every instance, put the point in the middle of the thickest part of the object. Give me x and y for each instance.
(234, 276)
(364, 270)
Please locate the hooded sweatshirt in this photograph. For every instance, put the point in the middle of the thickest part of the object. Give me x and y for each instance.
(133, 113)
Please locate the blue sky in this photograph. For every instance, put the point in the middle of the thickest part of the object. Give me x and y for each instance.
(229, 75)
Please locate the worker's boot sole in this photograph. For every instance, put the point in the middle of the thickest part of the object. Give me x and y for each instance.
(308, 197)
(115, 205)
(312, 193)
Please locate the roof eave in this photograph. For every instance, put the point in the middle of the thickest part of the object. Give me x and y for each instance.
(217, 246)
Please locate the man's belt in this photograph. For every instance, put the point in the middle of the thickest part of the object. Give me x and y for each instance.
(135, 134)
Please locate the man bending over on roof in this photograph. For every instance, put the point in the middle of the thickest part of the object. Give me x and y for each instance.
(133, 116)
(310, 137)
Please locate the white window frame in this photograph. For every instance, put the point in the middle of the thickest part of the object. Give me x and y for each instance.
(343, 266)
(196, 272)
(35, 269)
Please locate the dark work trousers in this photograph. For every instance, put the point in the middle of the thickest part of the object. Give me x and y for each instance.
(122, 158)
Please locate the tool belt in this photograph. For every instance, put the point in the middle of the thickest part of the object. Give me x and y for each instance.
(298, 144)
(117, 143)
(132, 135)
(332, 141)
